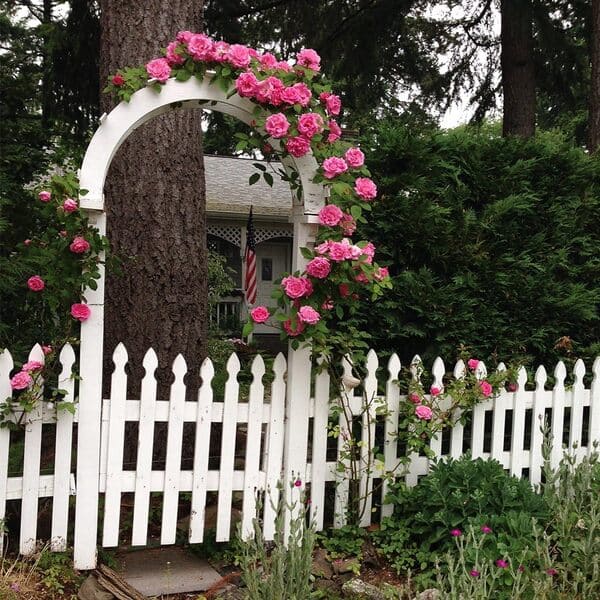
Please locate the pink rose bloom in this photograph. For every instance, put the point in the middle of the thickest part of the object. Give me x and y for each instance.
(270, 90)
(423, 412)
(486, 388)
(365, 188)
(290, 95)
(32, 365)
(414, 398)
(79, 245)
(513, 387)
(219, 52)
(296, 287)
(200, 47)
(308, 58)
(21, 381)
(318, 267)
(293, 332)
(355, 158)
(369, 250)
(36, 283)
(303, 94)
(333, 105)
(62, 233)
(81, 312)
(327, 305)
(260, 314)
(298, 146)
(184, 36)
(267, 61)
(348, 224)
(330, 215)
(382, 273)
(309, 124)
(435, 391)
(46, 349)
(361, 278)
(338, 251)
(27, 242)
(323, 248)
(335, 133)
(159, 69)
(173, 57)
(245, 85)
(239, 56)
(308, 315)
(69, 205)
(472, 363)
(284, 66)
(277, 125)
(344, 290)
(334, 166)
(45, 196)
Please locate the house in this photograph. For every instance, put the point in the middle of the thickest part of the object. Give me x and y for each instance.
(228, 200)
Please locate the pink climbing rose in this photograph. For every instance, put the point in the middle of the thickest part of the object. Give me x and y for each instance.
(334, 166)
(414, 398)
(79, 245)
(293, 331)
(32, 365)
(308, 58)
(45, 196)
(219, 52)
(310, 124)
(46, 349)
(365, 188)
(299, 93)
(173, 57)
(80, 311)
(260, 314)
(277, 125)
(69, 205)
(269, 91)
(296, 287)
(486, 388)
(239, 56)
(297, 146)
(267, 61)
(308, 315)
(423, 412)
(472, 363)
(200, 46)
(355, 158)
(330, 215)
(318, 267)
(35, 283)
(381, 273)
(333, 105)
(21, 381)
(335, 133)
(348, 224)
(435, 391)
(245, 84)
(159, 69)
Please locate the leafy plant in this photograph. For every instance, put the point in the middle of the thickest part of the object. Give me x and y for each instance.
(347, 541)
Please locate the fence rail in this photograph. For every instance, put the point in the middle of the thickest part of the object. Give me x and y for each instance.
(283, 429)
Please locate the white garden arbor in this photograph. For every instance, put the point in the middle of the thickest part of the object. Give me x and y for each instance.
(113, 131)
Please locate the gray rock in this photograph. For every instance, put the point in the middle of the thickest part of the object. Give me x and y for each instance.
(430, 594)
(346, 565)
(357, 589)
(92, 590)
(231, 593)
(321, 565)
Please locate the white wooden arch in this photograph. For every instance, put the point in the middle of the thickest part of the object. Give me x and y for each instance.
(113, 131)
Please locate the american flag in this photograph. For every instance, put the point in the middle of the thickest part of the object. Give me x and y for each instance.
(250, 262)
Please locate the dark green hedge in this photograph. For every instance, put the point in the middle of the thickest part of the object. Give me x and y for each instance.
(493, 243)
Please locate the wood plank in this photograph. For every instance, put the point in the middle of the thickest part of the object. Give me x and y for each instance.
(390, 453)
(558, 413)
(594, 427)
(143, 469)
(168, 531)
(578, 395)
(539, 410)
(518, 426)
(6, 366)
(62, 454)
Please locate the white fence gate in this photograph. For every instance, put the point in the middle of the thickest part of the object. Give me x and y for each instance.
(286, 436)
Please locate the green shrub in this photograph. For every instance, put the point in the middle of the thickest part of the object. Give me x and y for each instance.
(456, 495)
(492, 242)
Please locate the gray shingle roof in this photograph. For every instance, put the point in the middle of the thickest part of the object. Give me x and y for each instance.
(228, 192)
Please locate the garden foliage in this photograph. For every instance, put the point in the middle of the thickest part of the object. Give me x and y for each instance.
(492, 242)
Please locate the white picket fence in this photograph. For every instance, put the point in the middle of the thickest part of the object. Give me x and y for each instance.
(286, 435)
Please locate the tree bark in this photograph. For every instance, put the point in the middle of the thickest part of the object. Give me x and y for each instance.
(594, 109)
(155, 199)
(518, 76)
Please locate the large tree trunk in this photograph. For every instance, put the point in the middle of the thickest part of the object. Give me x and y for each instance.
(155, 206)
(594, 116)
(518, 76)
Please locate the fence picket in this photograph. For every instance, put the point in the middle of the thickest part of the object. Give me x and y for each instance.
(62, 454)
(392, 394)
(478, 417)
(227, 450)
(594, 426)
(457, 433)
(116, 440)
(577, 395)
(274, 453)
(168, 530)
(253, 439)
(6, 366)
(558, 412)
(201, 452)
(143, 468)
(438, 371)
(518, 426)
(319, 447)
(539, 406)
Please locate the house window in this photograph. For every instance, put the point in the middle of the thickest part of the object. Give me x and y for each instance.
(232, 256)
(266, 269)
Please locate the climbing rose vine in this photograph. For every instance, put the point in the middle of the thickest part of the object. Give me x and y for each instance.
(296, 112)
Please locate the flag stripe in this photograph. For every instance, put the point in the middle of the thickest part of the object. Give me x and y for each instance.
(250, 286)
